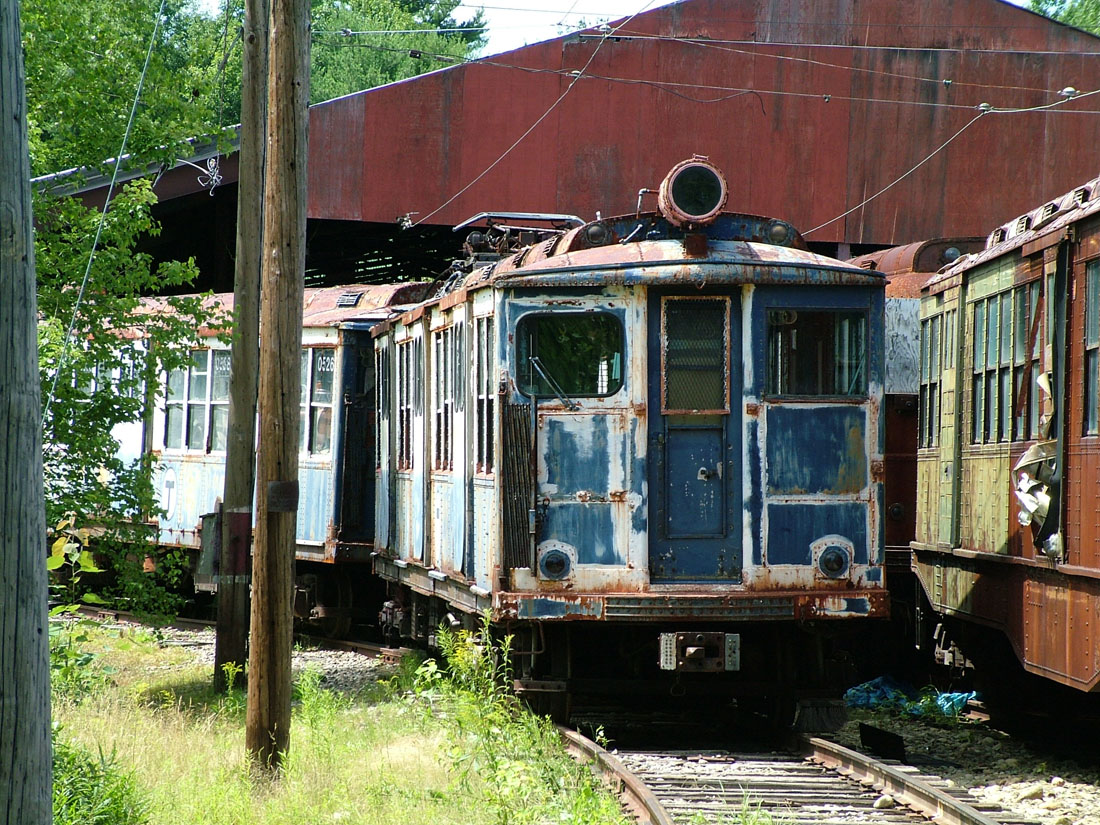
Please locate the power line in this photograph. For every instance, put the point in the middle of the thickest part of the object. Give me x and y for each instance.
(729, 92)
(851, 46)
(984, 109)
(534, 125)
(103, 213)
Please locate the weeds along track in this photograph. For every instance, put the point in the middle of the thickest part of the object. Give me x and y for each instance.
(824, 784)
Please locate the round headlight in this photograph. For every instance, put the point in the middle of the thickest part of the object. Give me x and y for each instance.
(833, 562)
(694, 192)
(555, 564)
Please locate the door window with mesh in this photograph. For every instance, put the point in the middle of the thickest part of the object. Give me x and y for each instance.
(695, 355)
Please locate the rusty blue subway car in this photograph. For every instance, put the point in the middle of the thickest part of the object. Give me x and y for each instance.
(650, 447)
(185, 431)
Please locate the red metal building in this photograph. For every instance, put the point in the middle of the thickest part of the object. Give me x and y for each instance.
(809, 106)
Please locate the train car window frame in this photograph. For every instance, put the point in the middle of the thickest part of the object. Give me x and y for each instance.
(1091, 360)
(408, 399)
(609, 370)
(196, 403)
(443, 397)
(484, 394)
(931, 335)
(682, 356)
(317, 399)
(783, 326)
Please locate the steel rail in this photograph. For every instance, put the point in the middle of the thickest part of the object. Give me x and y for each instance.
(636, 797)
(908, 790)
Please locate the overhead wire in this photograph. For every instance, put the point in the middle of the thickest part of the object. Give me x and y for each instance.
(984, 109)
(533, 126)
(759, 51)
(729, 92)
(103, 214)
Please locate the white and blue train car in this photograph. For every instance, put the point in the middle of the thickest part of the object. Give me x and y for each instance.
(649, 446)
(187, 432)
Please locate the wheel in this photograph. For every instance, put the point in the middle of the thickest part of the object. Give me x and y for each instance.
(334, 600)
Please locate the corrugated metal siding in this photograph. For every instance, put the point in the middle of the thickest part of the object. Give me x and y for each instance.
(419, 141)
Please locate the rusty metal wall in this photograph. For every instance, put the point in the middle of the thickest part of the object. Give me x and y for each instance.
(806, 155)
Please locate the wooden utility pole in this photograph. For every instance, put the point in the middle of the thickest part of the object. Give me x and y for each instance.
(240, 465)
(267, 731)
(25, 755)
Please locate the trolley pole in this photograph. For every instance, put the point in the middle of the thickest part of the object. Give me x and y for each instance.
(267, 729)
(240, 464)
(25, 755)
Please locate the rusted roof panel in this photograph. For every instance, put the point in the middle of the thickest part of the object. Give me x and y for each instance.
(328, 306)
(908, 267)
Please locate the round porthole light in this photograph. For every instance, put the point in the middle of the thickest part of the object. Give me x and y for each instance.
(694, 192)
(555, 564)
(833, 561)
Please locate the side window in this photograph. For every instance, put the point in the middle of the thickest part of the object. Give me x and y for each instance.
(173, 409)
(1092, 347)
(484, 394)
(381, 401)
(196, 405)
(569, 354)
(404, 405)
(816, 353)
(318, 369)
(219, 400)
(930, 360)
(443, 396)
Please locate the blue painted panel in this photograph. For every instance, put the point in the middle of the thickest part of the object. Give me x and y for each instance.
(315, 508)
(819, 449)
(754, 500)
(580, 460)
(559, 608)
(588, 527)
(696, 490)
(792, 528)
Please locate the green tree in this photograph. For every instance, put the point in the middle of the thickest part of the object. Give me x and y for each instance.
(105, 374)
(1084, 14)
(84, 61)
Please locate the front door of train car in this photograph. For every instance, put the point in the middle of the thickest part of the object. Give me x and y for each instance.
(694, 438)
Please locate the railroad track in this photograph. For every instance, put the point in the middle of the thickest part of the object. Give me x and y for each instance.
(825, 784)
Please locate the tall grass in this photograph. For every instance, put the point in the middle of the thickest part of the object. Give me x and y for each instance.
(438, 744)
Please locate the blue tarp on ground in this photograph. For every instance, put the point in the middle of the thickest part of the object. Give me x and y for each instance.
(885, 691)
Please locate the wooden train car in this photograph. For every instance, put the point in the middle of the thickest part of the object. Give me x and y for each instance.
(650, 446)
(1007, 545)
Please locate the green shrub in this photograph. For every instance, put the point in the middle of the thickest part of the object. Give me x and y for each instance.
(91, 789)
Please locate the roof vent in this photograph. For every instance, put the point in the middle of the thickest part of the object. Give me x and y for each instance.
(1023, 223)
(1048, 211)
(349, 299)
(998, 236)
(1080, 196)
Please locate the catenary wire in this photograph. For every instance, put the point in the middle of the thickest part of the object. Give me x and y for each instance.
(534, 125)
(103, 214)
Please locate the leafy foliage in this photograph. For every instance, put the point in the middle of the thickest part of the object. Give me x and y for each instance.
(93, 789)
(343, 63)
(514, 758)
(1084, 14)
(83, 62)
(105, 377)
